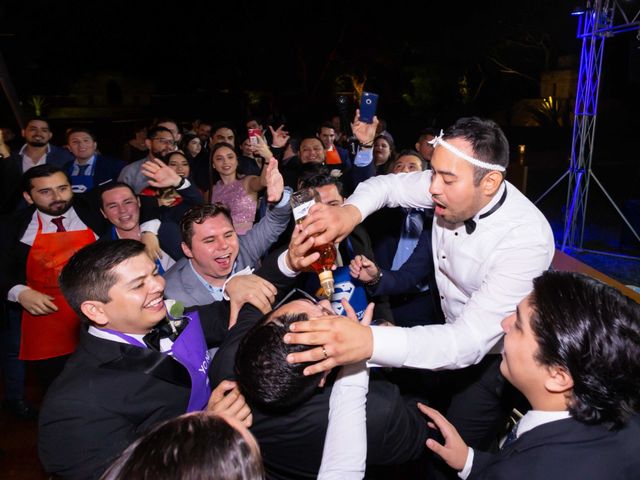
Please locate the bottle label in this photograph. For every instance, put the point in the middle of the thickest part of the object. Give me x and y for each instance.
(300, 211)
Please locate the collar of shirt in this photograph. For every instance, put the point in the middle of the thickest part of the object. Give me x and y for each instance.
(24, 147)
(216, 292)
(69, 221)
(88, 171)
(165, 343)
(496, 198)
(535, 418)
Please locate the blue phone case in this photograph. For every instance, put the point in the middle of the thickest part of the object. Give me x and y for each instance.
(368, 106)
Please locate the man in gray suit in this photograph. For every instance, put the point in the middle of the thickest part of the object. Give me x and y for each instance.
(160, 142)
(214, 253)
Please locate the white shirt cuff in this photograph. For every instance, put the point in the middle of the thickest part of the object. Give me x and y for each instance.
(464, 473)
(151, 226)
(186, 184)
(390, 346)
(245, 271)
(284, 268)
(15, 292)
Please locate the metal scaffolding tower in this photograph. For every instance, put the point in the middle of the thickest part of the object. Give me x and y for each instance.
(600, 20)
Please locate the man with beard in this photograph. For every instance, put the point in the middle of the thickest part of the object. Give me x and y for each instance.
(36, 151)
(489, 243)
(43, 237)
(160, 142)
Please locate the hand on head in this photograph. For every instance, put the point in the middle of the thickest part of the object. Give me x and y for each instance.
(341, 340)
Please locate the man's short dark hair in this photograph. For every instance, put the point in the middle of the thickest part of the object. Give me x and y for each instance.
(426, 132)
(593, 331)
(410, 152)
(155, 130)
(319, 177)
(37, 119)
(265, 377)
(195, 446)
(112, 186)
(326, 124)
(487, 139)
(81, 130)
(39, 171)
(199, 214)
(88, 275)
(223, 124)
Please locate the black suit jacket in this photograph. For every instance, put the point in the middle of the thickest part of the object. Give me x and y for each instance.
(11, 195)
(565, 450)
(291, 443)
(109, 393)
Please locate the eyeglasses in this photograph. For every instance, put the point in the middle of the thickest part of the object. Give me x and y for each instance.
(165, 141)
(297, 294)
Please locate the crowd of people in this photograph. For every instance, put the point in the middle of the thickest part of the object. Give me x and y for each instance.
(166, 303)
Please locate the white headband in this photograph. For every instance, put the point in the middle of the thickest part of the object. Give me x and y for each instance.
(474, 161)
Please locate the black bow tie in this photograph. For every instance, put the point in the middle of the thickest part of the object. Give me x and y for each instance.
(470, 224)
(163, 330)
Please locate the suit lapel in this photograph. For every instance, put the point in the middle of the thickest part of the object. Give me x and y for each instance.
(193, 287)
(122, 356)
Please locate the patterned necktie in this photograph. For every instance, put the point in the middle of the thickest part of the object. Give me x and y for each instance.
(58, 223)
(411, 230)
(512, 436)
(82, 170)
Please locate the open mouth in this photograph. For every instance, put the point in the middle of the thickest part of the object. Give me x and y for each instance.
(439, 207)
(156, 304)
(223, 260)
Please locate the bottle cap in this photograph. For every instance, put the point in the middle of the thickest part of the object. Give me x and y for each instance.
(327, 283)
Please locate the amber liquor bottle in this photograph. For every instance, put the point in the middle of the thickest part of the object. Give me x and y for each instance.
(301, 202)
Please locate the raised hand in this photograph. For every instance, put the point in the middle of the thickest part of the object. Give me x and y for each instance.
(274, 181)
(364, 132)
(279, 136)
(160, 175)
(363, 269)
(250, 289)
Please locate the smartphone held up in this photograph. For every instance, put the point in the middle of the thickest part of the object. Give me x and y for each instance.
(368, 106)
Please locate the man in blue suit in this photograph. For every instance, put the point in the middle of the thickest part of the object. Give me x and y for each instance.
(89, 169)
(573, 349)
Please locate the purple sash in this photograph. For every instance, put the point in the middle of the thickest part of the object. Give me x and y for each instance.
(190, 349)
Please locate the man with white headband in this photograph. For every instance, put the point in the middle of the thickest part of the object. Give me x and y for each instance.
(489, 243)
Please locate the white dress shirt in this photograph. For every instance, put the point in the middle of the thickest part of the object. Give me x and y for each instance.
(481, 276)
(345, 446)
(28, 162)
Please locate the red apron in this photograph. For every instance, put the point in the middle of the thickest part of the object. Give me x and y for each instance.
(54, 334)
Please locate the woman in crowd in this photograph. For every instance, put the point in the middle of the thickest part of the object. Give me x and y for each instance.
(384, 153)
(239, 193)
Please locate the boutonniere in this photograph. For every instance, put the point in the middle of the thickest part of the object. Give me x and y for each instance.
(175, 314)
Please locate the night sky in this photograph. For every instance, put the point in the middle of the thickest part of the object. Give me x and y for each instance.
(430, 61)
